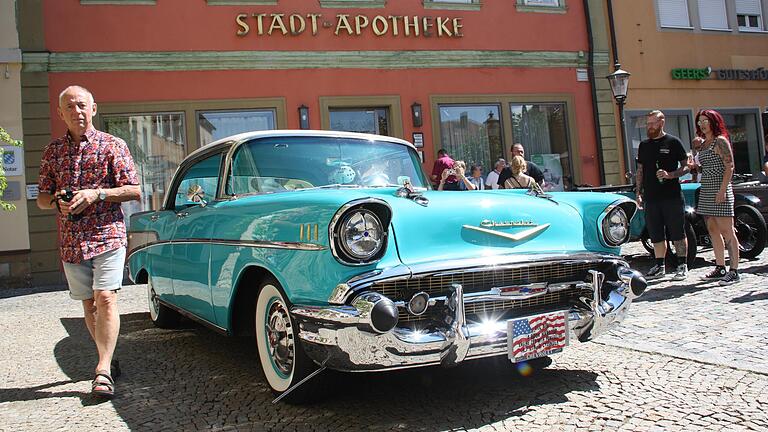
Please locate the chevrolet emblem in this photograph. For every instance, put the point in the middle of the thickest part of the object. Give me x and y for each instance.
(491, 224)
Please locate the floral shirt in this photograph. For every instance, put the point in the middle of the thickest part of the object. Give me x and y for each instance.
(100, 160)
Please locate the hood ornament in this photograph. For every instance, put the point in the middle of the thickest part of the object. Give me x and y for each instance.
(408, 191)
(521, 235)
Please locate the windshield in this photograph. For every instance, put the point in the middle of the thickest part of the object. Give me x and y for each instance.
(279, 164)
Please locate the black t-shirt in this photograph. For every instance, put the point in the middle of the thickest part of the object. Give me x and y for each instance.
(531, 169)
(663, 153)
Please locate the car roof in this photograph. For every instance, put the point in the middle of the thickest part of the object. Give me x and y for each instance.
(246, 136)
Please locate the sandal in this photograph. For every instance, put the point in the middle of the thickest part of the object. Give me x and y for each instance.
(103, 385)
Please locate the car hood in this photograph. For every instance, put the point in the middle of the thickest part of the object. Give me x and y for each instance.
(455, 225)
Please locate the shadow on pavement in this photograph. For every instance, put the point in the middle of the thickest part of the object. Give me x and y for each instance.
(192, 378)
(751, 297)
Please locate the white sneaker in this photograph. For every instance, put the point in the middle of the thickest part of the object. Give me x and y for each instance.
(681, 273)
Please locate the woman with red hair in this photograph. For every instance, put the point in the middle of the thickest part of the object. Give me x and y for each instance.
(716, 193)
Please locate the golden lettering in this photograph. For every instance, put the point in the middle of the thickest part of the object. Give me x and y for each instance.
(342, 21)
(380, 25)
(394, 19)
(442, 27)
(260, 22)
(407, 25)
(426, 23)
(314, 18)
(244, 28)
(361, 22)
(277, 23)
(457, 25)
(292, 21)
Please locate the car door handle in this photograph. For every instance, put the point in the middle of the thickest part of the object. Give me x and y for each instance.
(154, 218)
(182, 215)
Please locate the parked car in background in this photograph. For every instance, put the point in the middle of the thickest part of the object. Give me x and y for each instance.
(750, 208)
(331, 248)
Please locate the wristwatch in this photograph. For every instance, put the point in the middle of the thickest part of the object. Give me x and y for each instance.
(102, 194)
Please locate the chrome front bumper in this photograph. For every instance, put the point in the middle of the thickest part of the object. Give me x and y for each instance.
(342, 337)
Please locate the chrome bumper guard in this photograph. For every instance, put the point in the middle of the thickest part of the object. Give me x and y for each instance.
(344, 338)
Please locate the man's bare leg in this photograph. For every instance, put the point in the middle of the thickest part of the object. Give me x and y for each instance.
(107, 327)
(660, 249)
(89, 311)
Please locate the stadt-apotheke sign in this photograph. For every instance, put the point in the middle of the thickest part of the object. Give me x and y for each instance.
(295, 24)
(759, 74)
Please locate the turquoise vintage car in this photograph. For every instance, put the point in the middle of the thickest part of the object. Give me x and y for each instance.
(333, 250)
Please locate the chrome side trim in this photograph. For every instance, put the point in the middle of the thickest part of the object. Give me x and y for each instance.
(237, 243)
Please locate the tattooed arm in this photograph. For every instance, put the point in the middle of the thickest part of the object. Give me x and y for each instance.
(723, 149)
(683, 170)
(639, 184)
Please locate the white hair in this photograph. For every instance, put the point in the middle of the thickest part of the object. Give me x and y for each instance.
(75, 87)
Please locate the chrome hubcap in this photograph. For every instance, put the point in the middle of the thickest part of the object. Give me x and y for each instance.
(279, 334)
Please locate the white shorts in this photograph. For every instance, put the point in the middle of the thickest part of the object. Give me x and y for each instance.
(102, 273)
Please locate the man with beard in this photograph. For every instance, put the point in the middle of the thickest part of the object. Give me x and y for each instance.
(661, 161)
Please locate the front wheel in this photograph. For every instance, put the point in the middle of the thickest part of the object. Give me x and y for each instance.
(281, 353)
(750, 230)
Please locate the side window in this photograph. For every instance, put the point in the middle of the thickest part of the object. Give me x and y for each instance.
(199, 182)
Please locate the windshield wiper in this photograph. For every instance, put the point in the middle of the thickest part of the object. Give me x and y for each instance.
(331, 186)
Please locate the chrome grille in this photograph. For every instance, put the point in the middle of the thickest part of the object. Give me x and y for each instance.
(484, 280)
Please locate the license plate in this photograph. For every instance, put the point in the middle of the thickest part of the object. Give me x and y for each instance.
(536, 336)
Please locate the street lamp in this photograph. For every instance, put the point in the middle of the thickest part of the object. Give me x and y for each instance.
(619, 81)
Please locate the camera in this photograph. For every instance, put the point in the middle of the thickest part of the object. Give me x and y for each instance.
(451, 172)
(68, 196)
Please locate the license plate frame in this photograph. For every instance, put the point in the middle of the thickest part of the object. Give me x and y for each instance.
(546, 326)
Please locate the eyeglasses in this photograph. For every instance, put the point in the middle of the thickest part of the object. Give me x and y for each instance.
(703, 121)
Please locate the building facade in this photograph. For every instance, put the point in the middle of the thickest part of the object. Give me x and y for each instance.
(686, 55)
(172, 75)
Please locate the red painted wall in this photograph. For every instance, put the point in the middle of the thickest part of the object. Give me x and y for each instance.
(181, 25)
(178, 25)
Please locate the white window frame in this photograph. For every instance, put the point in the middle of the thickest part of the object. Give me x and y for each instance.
(664, 5)
(708, 11)
(745, 9)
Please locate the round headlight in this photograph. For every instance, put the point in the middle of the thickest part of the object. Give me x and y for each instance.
(361, 234)
(616, 227)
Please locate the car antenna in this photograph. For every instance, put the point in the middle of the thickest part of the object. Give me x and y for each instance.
(307, 378)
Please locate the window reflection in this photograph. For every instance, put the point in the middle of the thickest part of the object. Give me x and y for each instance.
(157, 144)
(472, 133)
(214, 125)
(542, 130)
(363, 120)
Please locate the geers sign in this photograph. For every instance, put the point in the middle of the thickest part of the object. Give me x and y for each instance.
(344, 24)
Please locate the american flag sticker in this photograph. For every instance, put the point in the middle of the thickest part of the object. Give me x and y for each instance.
(536, 336)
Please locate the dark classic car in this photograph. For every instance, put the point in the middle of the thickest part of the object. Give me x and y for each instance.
(331, 248)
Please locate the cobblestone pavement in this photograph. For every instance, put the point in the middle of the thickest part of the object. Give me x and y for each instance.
(691, 356)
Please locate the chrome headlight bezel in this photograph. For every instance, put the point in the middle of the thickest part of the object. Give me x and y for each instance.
(614, 226)
(371, 211)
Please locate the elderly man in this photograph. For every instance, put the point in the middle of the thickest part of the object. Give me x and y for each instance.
(531, 169)
(85, 175)
(492, 180)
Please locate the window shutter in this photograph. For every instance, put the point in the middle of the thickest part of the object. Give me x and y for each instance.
(748, 7)
(674, 13)
(712, 14)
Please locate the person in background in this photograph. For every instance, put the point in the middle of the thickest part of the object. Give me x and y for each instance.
(765, 160)
(458, 171)
(533, 170)
(661, 161)
(476, 177)
(492, 179)
(716, 194)
(518, 179)
(85, 175)
(444, 162)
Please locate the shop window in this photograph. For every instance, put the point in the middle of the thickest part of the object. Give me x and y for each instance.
(749, 15)
(363, 120)
(547, 6)
(673, 13)
(677, 123)
(472, 133)
(157, 143)
(452, 4)
(745, 139)
(713, 15)
(214, 125)
(542, 129)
